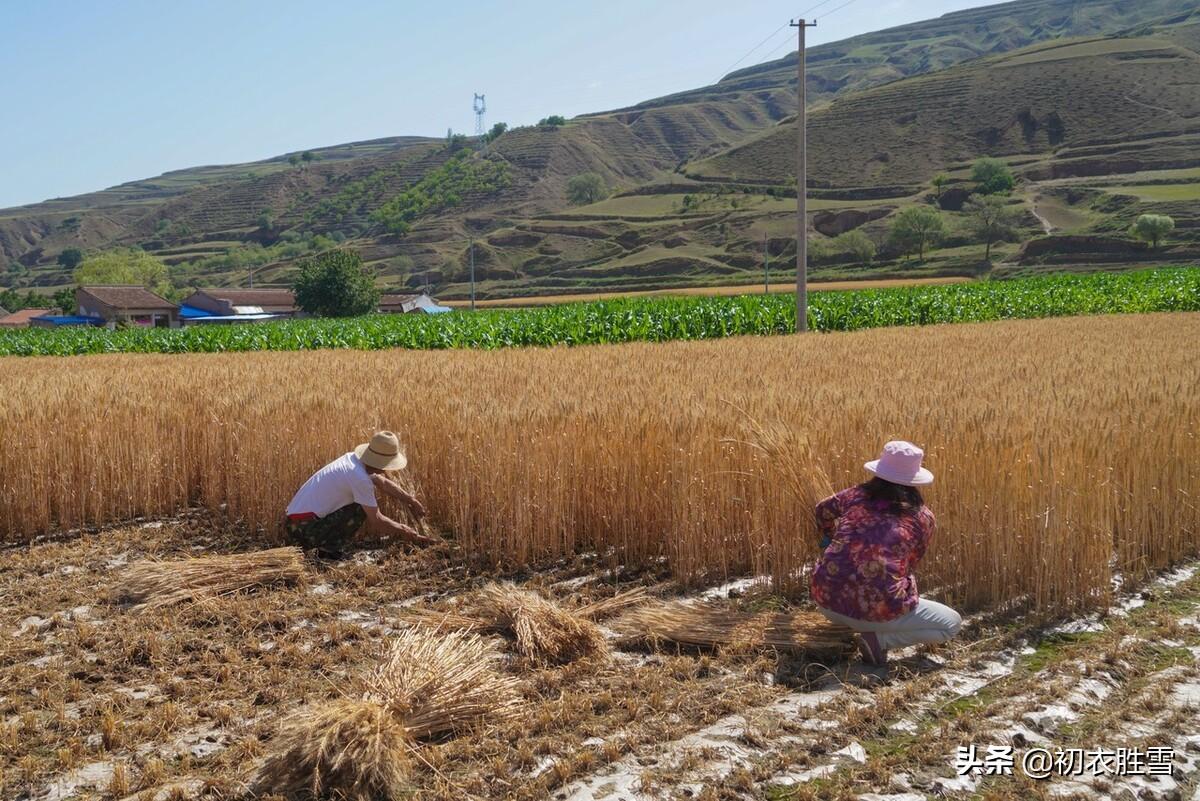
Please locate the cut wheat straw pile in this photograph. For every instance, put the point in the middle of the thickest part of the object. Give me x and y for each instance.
(429, 685)
(545, 633)
(699, 625)
(542, 630)
(150, 584)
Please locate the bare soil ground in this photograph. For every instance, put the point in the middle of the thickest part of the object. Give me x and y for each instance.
(98, 701)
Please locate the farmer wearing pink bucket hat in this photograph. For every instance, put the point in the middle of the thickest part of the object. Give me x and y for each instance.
(873, 535)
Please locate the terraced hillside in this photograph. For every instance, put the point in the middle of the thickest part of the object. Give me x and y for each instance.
(1079, 107)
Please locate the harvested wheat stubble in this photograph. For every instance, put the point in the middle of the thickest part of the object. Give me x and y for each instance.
(429, 685)
(151, 584)
(705, 625)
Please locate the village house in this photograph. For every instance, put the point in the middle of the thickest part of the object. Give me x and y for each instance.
(127, 305)
(238, 305)
(410, 304)
(22, 318)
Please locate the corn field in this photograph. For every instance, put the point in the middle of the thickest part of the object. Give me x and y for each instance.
(651, 319)
(1065, 449)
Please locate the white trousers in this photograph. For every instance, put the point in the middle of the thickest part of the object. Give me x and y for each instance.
(928, 622)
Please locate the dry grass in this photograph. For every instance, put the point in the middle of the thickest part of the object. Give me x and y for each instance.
(1076, 444)
(429, 685)
(152, 584)
(715, 626)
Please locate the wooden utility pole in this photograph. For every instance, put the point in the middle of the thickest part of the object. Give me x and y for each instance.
(801, 186)
(472, 275)
(766, 267)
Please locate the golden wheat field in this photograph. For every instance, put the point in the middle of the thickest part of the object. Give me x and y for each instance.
(1064, 449)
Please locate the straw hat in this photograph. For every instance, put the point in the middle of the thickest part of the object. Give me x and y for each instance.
(382, 452)
(900, 463)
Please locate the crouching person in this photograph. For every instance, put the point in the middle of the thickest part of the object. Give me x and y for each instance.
(873, 535)
(335, 503)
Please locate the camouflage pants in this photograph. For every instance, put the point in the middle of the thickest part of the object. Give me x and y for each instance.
(330, 535)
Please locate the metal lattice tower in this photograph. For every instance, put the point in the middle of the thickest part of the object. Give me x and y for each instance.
(480, 106)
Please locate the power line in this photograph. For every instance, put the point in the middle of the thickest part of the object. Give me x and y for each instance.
(836, 10)
(804, 14)
(826, 15)
(751, 50)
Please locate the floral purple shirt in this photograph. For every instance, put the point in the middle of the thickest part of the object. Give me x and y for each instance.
(866, 570)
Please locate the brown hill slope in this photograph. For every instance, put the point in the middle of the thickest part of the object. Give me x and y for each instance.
(1078, 107)
(860, 62)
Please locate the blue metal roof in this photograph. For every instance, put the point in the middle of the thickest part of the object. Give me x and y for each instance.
(192, 313)
(69, 319)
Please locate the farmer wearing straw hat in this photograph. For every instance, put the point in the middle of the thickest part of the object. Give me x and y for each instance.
(339, 498)
(873, 535)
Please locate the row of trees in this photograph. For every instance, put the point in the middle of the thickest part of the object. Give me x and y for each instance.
(990, 219)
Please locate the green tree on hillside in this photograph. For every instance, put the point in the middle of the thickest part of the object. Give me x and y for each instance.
(586, 188)
(70, 258)
(916, 228)
(127, 266)
(308, 157)
(553, 121)
(939, 182)
(992, 176)
(991, 219)
(1153, 228)
(498, 130)
(857, 244)
(336, 284)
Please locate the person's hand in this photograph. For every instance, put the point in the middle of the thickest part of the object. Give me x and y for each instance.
(416, 537)
(417, 508)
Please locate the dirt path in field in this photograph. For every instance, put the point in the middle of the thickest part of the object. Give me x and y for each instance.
(1047, 226)
(99, 703)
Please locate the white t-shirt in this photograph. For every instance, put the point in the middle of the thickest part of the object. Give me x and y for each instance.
(340, 483)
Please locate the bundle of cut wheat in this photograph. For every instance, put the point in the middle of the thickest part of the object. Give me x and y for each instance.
(545, 632)
(441, 683)
(607, 607)
(429, 685)
(150, 584)
(705, 625)
(355, 749)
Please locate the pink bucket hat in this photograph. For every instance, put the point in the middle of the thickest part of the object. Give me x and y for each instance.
(900, 463)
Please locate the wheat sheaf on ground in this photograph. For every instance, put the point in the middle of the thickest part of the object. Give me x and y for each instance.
(542, 630)
(429, 685)
(715, 626)
(152, 584)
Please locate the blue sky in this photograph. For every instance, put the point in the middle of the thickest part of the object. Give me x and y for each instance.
(99, 92)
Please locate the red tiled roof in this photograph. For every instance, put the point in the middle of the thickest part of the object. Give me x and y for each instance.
(20, 319)
(128, 297)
